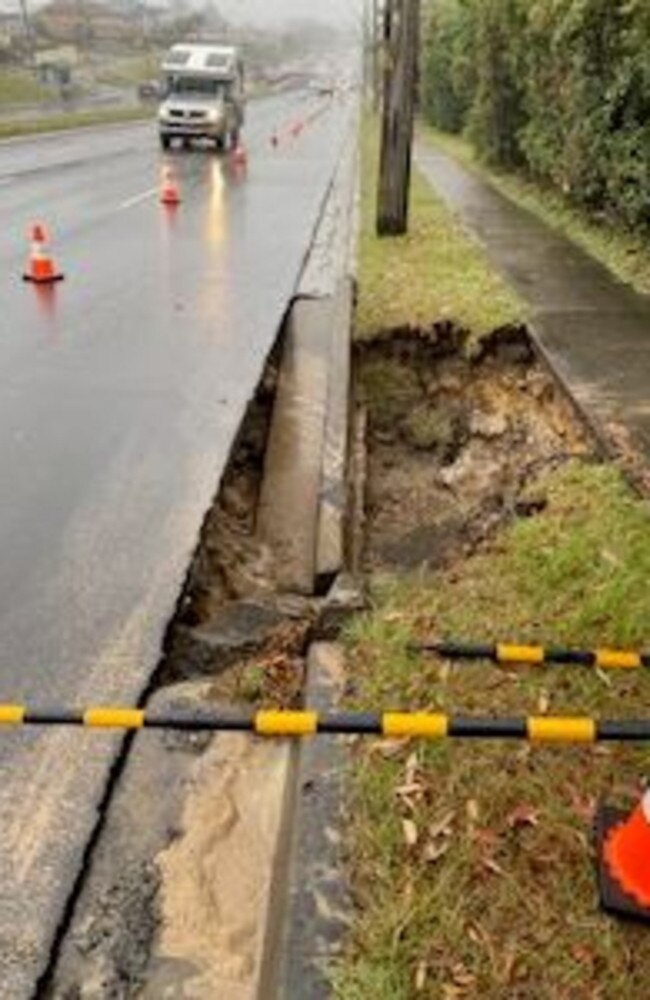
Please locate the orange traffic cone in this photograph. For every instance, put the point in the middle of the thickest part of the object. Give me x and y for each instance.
(40, 269)
(239, 155)
(169, 193)
(625, 860)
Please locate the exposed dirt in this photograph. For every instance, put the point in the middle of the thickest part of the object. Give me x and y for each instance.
(232, 626)
(457, 432)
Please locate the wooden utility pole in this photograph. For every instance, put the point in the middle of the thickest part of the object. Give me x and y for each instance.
(401, 36)
(374, 52)
(28, 28)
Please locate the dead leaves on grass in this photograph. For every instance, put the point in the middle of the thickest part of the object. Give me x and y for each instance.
(414, 792)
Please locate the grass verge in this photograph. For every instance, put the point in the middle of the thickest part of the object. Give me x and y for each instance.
(435, 271)
(79, 119)
(128, 71)
(625, 254)
(17, 87)
(472, 866)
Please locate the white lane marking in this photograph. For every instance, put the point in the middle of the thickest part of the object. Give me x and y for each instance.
(136, 199)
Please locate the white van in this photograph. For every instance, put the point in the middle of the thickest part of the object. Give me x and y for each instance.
(203, 87)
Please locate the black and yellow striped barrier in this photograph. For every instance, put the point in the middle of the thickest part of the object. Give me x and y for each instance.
(606, 659)
(418, 725)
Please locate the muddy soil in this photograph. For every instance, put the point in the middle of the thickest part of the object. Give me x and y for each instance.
(231, 625)
(458, 432)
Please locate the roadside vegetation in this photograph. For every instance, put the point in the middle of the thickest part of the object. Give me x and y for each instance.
(434, 271)
(129, 71)
(17, 87)
(553, 98)
(75, 119)
(471, 864)
(472, 868)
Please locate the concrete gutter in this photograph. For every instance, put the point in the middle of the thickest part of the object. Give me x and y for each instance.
(309, 901)
(311, 904)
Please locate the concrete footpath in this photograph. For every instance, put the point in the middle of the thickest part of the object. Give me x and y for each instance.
(593, 330)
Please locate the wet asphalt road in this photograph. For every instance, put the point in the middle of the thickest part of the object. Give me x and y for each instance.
(121, 392)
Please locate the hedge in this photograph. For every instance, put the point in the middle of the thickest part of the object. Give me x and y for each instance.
(559, 88)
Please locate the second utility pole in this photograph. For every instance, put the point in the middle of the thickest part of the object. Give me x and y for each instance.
(400, 54)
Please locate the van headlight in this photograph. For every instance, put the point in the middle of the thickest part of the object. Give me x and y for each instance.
(163, 114)
(214, 116)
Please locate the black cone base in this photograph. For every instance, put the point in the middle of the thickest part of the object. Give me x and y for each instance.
(613, 898)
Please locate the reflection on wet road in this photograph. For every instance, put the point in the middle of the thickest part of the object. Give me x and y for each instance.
(120, 393)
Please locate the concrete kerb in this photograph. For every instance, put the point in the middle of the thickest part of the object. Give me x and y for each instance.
(310, 906)
(330, 535)
(303, 495)
(289, 497)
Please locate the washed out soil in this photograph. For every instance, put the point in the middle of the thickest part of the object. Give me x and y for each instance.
(231, 625)
(458, 433)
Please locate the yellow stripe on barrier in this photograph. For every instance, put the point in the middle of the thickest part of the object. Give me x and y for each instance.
(286, 723)
(424, 724)
(11, 715)
(548, 730)
(615, 660)
(114, 718)
(520, 654)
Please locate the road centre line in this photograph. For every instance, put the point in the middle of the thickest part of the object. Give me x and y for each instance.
(136, 199)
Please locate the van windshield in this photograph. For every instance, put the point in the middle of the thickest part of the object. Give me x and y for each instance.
(198, 86)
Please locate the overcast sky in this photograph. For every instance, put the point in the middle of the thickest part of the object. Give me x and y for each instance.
(274, 11)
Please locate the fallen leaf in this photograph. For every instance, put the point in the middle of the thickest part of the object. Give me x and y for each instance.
(472, 811)
(444, 672)
(462, 977)
(389, 748)
(410, 832)
(421, 976)
(582, 954)
(583, 806)
(409, 790)
(492, 866)
(485, 837)
(543, 702)
(508, 964)
(443, 827)
(433, 852)
(475, 934)
(396, 617)
(410, 770)
(522, 816)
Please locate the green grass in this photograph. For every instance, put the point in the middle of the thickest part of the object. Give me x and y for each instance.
(18, 87)
(434, 273)
(79, 119)
(129, 71)
(497, 899)
(625, 254)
